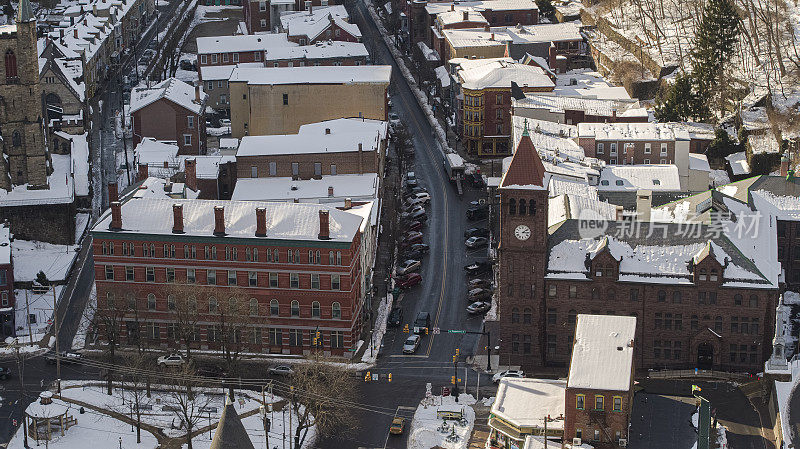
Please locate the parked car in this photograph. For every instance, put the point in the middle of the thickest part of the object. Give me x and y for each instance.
(414, 226)
(281, 370)
(424, 196)
(414, 202)
(476, 242)
(479, 283)
(416, 215)
(394, 119)
(418, 255)
(421, 247)
(411, 183)
(411, 240)
(174, 359)
(479, 293)
(5, 373)
(477, 213)
(414, 208)
(476, 268)
(225, 122)
(509, 373)
(395, 317)
(186, 64)
(409, 280)
(479, 307)
(476, 232)
(408, 266)
(418, 189)
(397, 426)
(411, 344)
(67, 358)
(475, 180)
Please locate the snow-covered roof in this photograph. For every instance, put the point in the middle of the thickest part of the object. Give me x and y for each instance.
(73, 70)
(763, 143)
(618, 178)
(356, 187)
(442, 75)
(330, 136)
(523, 402)
(738, 163)
(654, 252)
(320, 50)
(79, 153)
(207, 167)
(228, 142)
(285, 221)
(313, 22)
(500, 74)
(591, 106)
(602, 354)
(171, 89)
(373, 74)
(216, 72)
(152, 151)
(61, 187)
(588, 83)
(560, 185)
(448, 18)
(699, 161)
(645, 131)
(481, 5)
(242, 42)
(569, 206)
(519, 34)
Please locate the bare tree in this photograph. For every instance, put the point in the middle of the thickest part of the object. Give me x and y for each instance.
(320, 398)
(137, 390)
(234, 320)
(107, 317)
(183, 307)
(187, 403)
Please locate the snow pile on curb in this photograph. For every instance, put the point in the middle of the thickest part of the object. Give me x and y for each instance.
(422, 99)
(425, 431)
(379, 330)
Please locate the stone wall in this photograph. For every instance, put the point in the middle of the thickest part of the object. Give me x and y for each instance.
(53, 223)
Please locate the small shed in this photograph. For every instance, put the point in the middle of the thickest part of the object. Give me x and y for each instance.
(46, 419)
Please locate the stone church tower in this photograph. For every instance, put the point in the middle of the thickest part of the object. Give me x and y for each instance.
(21, 127)
(522, 256)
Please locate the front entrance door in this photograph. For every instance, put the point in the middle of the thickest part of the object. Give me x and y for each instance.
(705, 356)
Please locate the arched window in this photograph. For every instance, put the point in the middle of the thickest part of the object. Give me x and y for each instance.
(612, 294)
(737, 299)
(233, 306)
(522, 207)
(515, 315)
(676, 297)
(512, 206)
(274, 309)
(718, 323)
(253, 307)
(53, 103)
(595, 294)
(330, 258)
(526, 315)
(315, 309)
(16, 140)
(11, 66)
(753, 301)
(295, 308)
(151, 301)
(336, 310)
(532, 208)
(662, 296)
(212, 305)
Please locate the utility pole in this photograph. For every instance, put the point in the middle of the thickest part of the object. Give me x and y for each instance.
(455, 375)
(28, 318)
(58, 353)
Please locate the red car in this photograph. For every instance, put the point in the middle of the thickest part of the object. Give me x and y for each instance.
(409, 280)
(413, 238)
(414, 226)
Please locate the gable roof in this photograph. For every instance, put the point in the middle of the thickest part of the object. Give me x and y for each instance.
(526, 169)
(171, 89)
(231, 433)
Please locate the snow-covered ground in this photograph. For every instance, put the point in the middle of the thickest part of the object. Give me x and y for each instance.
(40, 308)
(722, 436)
(427, 431)
(379, 330)
(104, 431)
(30, 257)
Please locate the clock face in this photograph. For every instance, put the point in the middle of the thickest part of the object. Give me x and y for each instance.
(522, 232)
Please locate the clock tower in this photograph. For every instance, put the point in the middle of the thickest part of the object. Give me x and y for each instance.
(522, 256)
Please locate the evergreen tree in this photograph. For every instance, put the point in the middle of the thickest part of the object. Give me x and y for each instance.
(714, 44)
(681, 102)
(722, 145)
(546, 8)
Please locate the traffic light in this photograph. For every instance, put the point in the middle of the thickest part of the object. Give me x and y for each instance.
(457, 352)
(453, 380)
(426, 331)
(454, 359)
(367, 377)
(405, 329)
(390, 377)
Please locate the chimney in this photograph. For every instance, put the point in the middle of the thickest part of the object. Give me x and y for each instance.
(452, 7)
(330, 191)
(492, 37)
(219, 220)
(643, 204)
(348, 203)
(324, 225)
(197, 93)
(94, 11)
(116, 216)
(190, 169)
(327, 130)
(261, 222)
(113, 194)
(551, 58)
(784, 166)
(61, 33)
(177, 219)
(143, 172)
(466, 15)
(360, 158)
(85, 23)
(614, 114)
(75, 33)
(486, 28)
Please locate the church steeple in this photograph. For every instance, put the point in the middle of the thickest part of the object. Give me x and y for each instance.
(25, 12)
(526, 168)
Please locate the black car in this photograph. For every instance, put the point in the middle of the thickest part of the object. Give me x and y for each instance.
(411, 254)
(395, 317)
(476, 232)
(476, 268)
(421, 247)
(5, 373)
(477, 213)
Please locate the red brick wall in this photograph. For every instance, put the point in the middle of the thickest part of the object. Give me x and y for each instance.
(164, 120)
(346, 163)
(327, 35)
(243, 56)
(253, 16)
(323, 61)
(637, 156)
(349, 295)
(608, 421)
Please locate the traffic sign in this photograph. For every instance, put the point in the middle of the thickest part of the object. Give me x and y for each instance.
(456, 331)
(436, 331)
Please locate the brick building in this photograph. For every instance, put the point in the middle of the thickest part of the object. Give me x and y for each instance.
(572, 110)
(267, 101)
(211, 177)
(333, 147)
(264, 15)
(484, 110)
(237, 49)
(7, 300)
(320, 24)
(599, 394)
(320, 53)
(270, 276)
(173, 111)
(546, 278)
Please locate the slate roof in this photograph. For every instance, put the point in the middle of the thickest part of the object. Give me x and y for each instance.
(526, 169)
